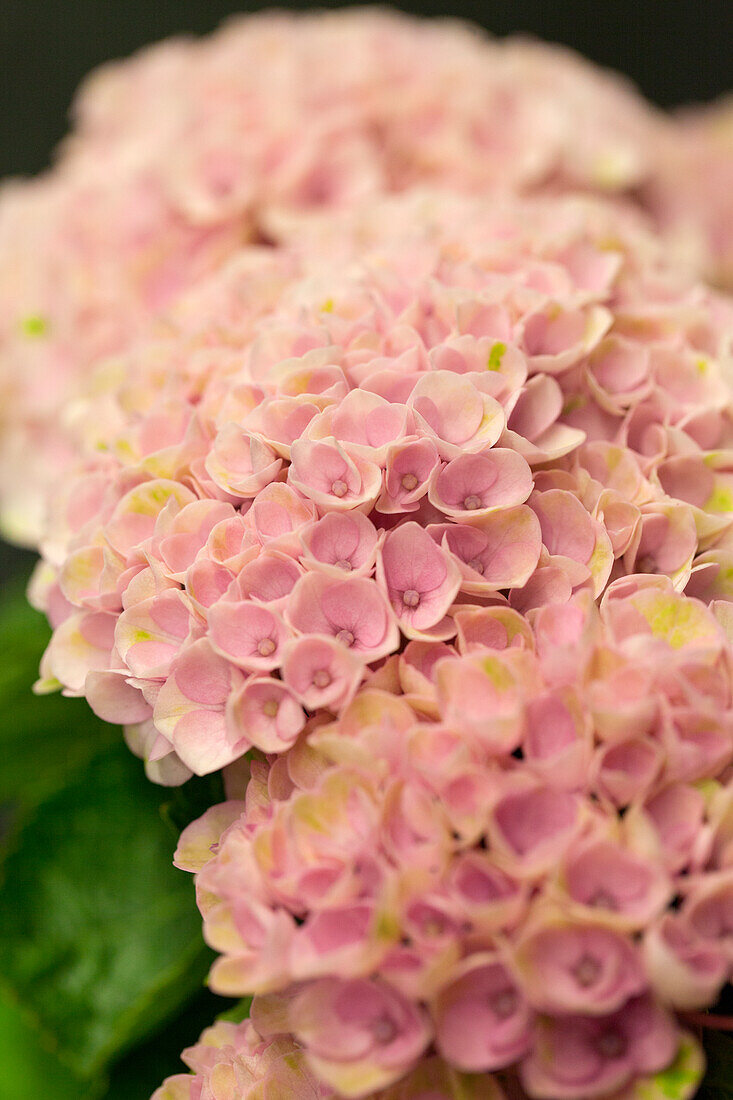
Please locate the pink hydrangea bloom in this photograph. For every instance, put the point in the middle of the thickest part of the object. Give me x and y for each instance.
(180, 155)
(226, 567)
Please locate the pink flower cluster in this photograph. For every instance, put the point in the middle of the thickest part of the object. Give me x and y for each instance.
(189, 150)
(515, 850)
(235, 1063)
(502, 406)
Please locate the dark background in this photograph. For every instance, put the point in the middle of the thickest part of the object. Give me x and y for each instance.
(676, 52)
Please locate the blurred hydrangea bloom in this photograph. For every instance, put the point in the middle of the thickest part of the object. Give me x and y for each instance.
(183, 153)
(690, 194)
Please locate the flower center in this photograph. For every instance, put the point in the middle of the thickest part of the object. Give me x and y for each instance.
(411, 598)
(339, 488)
(384, 1030)
(472, 502)
(504, 1004)
(409, 482)
(476, 565)
(602, 900)
(321, 678)
(345, 637)
(611, 1044)
(265, 647)
(586, 971)
(345, 564)
(270, 708)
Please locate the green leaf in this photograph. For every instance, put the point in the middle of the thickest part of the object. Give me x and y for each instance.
(28, 1070)
(100, 938)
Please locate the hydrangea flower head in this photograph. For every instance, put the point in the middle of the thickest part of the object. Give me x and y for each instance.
(396, 482)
